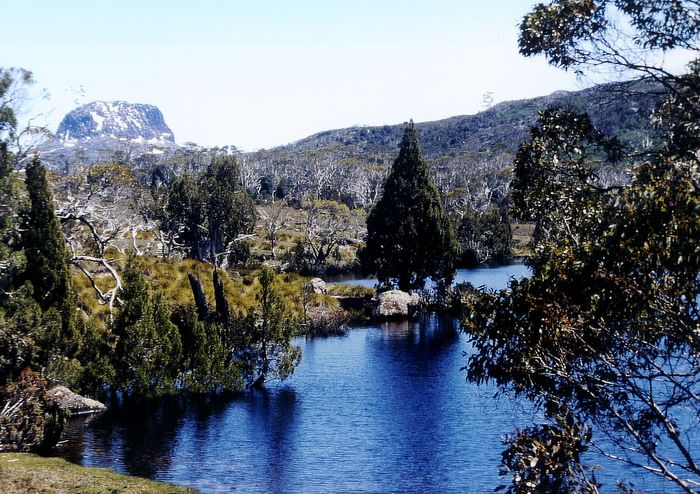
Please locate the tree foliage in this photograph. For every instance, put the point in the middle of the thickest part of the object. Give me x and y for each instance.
(617, 33)
(210, 212)
(47, 257)
(409, 237)
(605, 332)
(30, 420)
(207, 363)
(485, 238)
(36, 297)
(547, 458)
(328, 229)
(265, 349)
(148, 348)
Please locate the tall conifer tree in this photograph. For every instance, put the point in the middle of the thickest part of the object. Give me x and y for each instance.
(47, 257)
(409, 237)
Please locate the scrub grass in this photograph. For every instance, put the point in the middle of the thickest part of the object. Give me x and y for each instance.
(23, 473)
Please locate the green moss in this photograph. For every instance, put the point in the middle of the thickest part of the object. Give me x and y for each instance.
(30, 473)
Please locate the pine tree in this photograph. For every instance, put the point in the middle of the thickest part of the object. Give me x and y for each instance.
(47, 257)
(409, 237)
(207, 364)
(268, 352)
(149, 349)
(230, 210)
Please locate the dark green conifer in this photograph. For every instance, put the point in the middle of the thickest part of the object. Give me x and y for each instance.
(47, 257)
(409, 237)
(209, 213)
(149, 349)
(207, 364)
(268, 352)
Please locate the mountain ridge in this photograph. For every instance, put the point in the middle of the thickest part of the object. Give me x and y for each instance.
(613, 107)
(621, 109)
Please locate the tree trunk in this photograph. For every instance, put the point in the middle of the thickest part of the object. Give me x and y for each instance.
(223, 310)
(200, 299)
(259, 383)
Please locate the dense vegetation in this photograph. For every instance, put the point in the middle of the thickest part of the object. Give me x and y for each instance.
(603, 337)
(139, 344)
(208, 214)
(127, 285)
(409, 237)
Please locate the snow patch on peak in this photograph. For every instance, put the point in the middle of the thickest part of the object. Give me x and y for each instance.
(98, 119)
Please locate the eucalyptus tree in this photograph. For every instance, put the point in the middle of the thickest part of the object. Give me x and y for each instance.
(210, 212)
(604, 335)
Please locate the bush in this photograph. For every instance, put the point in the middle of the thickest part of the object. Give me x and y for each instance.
(29, 419)
(240, 254)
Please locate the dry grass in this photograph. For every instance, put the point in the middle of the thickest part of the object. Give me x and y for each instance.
(23, 473)
(169, 276)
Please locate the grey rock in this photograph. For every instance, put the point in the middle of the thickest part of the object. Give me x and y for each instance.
(395, 304)
(108, 131)
(316, 285)
(73, 403)
(116, 120)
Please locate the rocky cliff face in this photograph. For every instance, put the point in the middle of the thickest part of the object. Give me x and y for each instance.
(115, 120)
(108, 131)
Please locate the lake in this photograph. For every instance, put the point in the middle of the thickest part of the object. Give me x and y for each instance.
(382, 409)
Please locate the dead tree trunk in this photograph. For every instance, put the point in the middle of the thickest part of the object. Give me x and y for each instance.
(200, 299)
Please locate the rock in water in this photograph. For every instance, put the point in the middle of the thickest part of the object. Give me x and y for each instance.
(73, 403)
(395, 304)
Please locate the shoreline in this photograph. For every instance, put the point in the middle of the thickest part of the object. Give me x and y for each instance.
(26, 472)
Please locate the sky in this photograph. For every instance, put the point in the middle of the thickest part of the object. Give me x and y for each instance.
(257, 74)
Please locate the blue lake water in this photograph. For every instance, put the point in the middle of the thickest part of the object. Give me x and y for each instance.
(382, 409)
(495, 278)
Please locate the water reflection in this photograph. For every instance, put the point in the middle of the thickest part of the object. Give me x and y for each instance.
(384, 408)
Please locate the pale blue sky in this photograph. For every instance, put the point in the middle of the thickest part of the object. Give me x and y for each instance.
(263, 73)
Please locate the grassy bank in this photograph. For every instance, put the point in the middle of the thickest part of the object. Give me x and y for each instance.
(22, 473)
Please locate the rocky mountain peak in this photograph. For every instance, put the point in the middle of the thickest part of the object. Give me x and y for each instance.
(115, 120)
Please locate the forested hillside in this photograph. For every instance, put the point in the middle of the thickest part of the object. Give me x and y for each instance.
(469, 156)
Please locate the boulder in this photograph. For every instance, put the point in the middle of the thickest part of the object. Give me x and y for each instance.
(316, 285)
(73, 403)
(395, 304)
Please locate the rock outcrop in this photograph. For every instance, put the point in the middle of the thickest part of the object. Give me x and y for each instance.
(108, 131)
(395, 304)
(73, 403)
(115, 120)
(316, 285)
